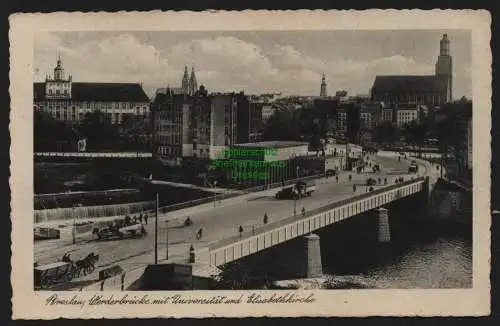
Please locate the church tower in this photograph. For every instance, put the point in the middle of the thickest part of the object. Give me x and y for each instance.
(185, 81)
(58, 87)
(59, 70)
(193, 84)
(444, 70)
(323, 92)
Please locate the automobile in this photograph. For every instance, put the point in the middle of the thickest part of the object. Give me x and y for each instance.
(413, 168)
(371, 182)
(331, 172)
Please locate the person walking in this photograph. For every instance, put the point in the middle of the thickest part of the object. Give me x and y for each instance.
(146, 219)
(240, 230)
(266, 218)
(140, 218)
(303, 210)
(354, 188)
(337, 178)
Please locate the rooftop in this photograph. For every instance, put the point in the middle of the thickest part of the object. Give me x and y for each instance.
(103, 92)
(272, 144)
(405, 84)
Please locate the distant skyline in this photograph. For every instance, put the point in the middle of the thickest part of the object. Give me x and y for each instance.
(256, 61)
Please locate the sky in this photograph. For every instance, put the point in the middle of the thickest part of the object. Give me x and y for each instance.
(256, 62)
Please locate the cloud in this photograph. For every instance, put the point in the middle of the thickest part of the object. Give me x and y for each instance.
(223, 63)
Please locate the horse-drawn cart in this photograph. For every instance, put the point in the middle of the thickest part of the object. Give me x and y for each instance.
(119, 230)
(53, 274)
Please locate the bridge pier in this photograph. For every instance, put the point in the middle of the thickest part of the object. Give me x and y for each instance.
(384, 230)
(312, 247)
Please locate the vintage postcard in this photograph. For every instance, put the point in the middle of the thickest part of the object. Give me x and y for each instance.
(246, 164)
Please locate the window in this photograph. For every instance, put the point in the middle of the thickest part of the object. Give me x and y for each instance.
(50, 91)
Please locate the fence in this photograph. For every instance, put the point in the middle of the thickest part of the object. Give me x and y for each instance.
(55, 214)
(231, 194)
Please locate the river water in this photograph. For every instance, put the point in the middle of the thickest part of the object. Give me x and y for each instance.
(431, 257)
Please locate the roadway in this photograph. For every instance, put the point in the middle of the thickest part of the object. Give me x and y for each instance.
(218, 222)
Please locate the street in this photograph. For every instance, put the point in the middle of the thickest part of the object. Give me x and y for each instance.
(217, 223)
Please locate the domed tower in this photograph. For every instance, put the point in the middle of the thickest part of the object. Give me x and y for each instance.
(185, 81)
(323, 92)
(59, 70)
(193, 84)
(444, 71)
(59, 86)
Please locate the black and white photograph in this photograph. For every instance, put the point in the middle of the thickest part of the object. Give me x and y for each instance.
(283, 161)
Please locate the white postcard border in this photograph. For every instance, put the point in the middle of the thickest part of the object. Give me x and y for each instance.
(28, 304)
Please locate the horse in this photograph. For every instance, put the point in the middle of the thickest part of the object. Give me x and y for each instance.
(87, 264)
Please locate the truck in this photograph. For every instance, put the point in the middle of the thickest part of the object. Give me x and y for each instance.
(413, 168)
(299, 190)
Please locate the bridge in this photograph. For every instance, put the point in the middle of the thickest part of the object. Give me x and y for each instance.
(237, 247)
(333, 202)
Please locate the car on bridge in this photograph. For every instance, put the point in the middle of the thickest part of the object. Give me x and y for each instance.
(300, 190)
(413, 168)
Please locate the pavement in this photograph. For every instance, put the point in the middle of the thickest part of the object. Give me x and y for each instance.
(218, 222)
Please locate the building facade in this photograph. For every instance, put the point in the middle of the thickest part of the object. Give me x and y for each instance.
(200, 126)
(68, 101)
(406, 113)
(429, 90)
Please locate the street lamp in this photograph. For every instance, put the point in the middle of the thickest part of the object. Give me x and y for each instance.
(166, 240)
(74, 222)
(215, 193)
(156, 228)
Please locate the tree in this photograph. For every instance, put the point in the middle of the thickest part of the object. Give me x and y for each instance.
(385, 132)
(100, 133)
(415, 133)
(281, 126)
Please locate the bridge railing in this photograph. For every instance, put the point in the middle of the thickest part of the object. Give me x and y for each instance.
(268, 227)
(232, 194)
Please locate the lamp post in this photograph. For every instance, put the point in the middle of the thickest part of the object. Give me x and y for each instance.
(74, 224)
(166, 240)
(215, 194)
(156, 229)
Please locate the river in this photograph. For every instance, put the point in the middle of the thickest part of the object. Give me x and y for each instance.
(433, 257)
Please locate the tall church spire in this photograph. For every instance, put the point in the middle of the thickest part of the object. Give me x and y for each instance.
(193, 84)
(444, 70)
(185, 81)
(323, 92)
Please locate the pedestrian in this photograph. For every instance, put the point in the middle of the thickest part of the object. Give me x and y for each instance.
(266, 218)
(379, 181)
(199, 234)
(303, 210)
(337, 178)
(140, 218)
(353, 188)
(350, 178)
(146, 219)
(240, 230)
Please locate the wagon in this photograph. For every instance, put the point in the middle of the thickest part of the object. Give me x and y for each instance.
(42, 233)
(52, 274)
(120, 231)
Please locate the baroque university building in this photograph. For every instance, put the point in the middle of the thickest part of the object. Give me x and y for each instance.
(69, 101)
(432, 90)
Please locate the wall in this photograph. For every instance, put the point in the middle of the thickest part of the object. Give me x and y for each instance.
(56, 214)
